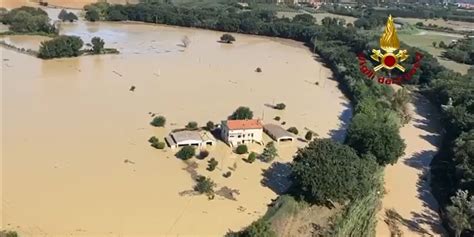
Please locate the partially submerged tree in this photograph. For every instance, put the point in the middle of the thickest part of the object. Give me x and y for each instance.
(186, 152)
(269, 153)
(241, 149)
(204, 185)
(61, 46)
(97, 45)
(227, 38)
(185, 41)
(192, 125)
(212, 164)
(242, 113)
(158, 121)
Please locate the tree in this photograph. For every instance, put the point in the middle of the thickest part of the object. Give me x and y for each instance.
(186, 152)
(210, 126)
(97, 45)
(212, 164)
(204, 185)
(327, 170)
(61, 46)
(252, 157)
(280, 106)
(269, 153)
(461, 212)
(227, 38)
(92, 15)
(369, 136)
(434, 44)
(203, 154)
(241, 149)
(242, 113)
(159, 121)
(192, 125)
(293, 130)
(442, 45)
(62, 15)
(185, 41)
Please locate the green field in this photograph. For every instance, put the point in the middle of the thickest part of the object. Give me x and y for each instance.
(318, 16)
(424, 40)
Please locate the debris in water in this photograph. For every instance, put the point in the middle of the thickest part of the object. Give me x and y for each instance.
(126, 161)
(117, 73)
(132, 88)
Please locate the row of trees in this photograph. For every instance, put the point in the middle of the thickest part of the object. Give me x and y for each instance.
(69, 46)
(462, 51)
(28, 20)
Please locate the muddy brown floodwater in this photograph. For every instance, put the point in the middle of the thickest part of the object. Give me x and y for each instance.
(69, 125)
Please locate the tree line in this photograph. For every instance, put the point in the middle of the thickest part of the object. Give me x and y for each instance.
(28, 20)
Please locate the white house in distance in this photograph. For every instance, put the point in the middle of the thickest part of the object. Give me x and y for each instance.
(236, 132)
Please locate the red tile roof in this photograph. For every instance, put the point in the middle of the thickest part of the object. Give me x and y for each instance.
(244, 124)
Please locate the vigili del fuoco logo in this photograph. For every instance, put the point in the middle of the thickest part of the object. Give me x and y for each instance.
(389, 58)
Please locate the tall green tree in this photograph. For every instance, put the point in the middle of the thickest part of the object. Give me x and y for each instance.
(329, 171)
(61, 46)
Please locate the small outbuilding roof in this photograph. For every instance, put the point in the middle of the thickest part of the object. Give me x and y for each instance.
(182, 136)
(244, 124)
(277, 132)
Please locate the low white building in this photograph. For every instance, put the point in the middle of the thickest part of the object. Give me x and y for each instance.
(236, 132)
(189, 138)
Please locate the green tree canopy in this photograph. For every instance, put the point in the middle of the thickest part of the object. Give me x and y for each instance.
(61, 46)
(369, 136)
(242, 113)
(327, 170)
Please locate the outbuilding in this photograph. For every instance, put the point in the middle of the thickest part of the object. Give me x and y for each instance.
(189, 138)
(278, 133)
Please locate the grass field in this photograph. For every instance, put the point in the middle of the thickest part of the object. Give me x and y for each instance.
(318, 16)
(424, 40)
(456, 25)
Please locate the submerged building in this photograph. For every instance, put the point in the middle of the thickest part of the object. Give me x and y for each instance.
(190, 138)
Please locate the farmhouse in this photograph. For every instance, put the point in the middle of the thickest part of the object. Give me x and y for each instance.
(189, 138)
(277, 133)
(236, 132)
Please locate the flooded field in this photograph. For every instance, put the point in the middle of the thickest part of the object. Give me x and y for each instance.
(70, 124)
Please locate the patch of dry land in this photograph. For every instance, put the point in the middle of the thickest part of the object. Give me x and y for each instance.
(70, 125)
(407, 182)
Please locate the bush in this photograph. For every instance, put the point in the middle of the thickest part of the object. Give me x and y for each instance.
(210, 126)
(204, 185)
(327, 170)
(159, 145)
(212, 164)
(158, 121)
(227, 38)
(242, 113)
(277, 118)
(227, 174)
(309, 136)
(280, 106)
(153, 140)
(4, 233)
(186, 152)
(192, 125)
(61, 46)
(203, 154)
(251, 158)
(241, 149)
(258, 69)
(293, 130)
